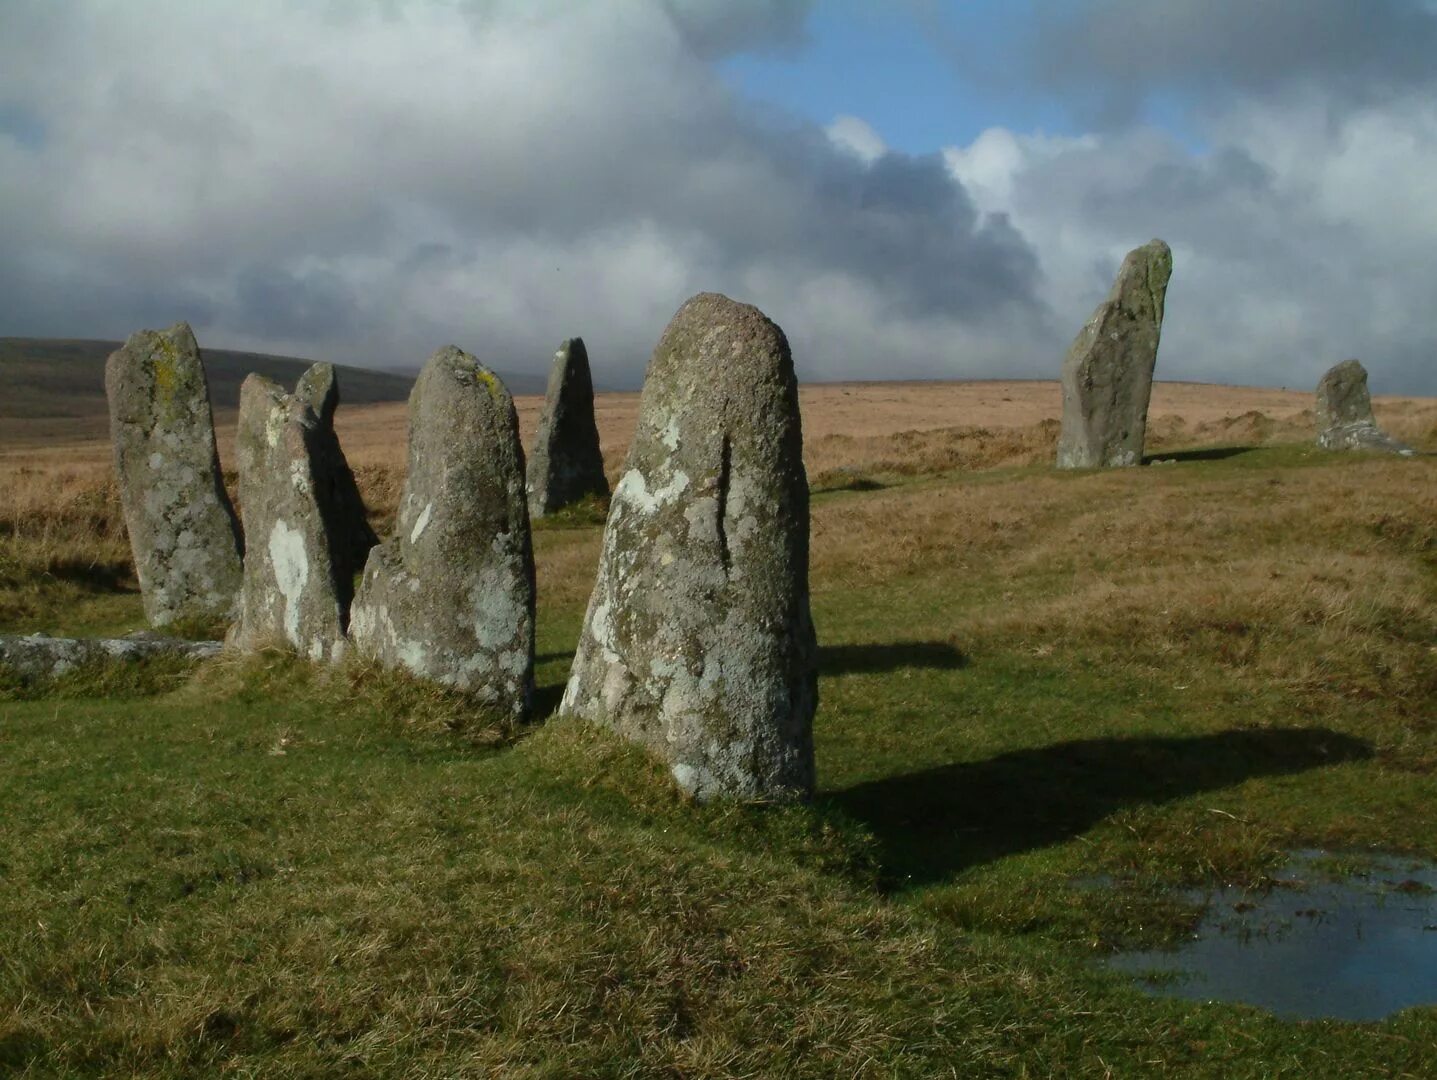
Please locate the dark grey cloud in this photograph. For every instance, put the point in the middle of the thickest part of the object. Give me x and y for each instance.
(718, 29)
(368, 181)
(1118, 53)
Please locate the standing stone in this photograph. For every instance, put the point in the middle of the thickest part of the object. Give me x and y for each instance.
(1108, 372)
(451, 596)
(183, 532)
(297, 574)
(350, 532)
(698, 641)
(1344, 413)
(567, 464)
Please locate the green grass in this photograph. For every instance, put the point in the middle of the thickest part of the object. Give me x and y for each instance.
(267, 870)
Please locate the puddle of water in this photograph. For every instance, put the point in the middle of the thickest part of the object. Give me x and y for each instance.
(1360, 948)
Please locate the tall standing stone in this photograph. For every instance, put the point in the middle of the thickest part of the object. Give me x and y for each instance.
(183, 532)
(450, 597)
(1108, 372)
(1344, 413)
(298, 571)
(567, 464)
(698, 641)
(350, 531)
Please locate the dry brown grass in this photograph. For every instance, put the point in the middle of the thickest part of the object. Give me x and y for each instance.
(59, 510)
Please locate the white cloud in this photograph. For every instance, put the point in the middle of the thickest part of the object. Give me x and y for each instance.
(1298, 239)
(857, 137)
(366, 182)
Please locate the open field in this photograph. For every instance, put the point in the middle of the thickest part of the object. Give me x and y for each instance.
(1048, 703)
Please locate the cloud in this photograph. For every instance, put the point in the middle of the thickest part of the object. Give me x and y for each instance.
(367, 182)
(1118, 53)
(1298, 239)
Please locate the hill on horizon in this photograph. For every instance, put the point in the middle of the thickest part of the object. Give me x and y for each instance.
(57, 385)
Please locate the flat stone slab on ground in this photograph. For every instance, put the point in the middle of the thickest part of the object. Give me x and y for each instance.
(39, 656)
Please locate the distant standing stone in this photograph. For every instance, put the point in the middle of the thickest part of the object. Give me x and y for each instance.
(451, 596)
(183, 532)
(698, 641)
(566, 464)
(1108, 372)
(297, 574)
(1344, 413)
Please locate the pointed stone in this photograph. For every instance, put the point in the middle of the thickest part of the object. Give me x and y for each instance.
(567, 464)
(297, 581)
(1344, 413)
(183, 532)
(318, 388)
(698, 642)
(450, 597)
(350, 531)
(1108, 372)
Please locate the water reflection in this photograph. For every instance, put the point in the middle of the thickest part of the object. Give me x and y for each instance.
(1359, 948)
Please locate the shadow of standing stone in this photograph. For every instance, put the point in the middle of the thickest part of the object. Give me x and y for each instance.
(450, 597)
(1108, 372)
(183, 532)
(698, 642)
(567, 464)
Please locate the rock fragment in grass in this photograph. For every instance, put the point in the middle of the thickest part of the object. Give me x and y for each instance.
(1108, 372)
(303, 552)
(183, 531)
(33, 657)
(698, 642)
(567, 464)
(450, 597)
(1344, 413)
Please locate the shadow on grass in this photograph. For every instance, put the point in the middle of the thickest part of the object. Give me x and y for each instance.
(938, 822)
(1207, 453)
(97, 577)
(546, 701)
(892, 656)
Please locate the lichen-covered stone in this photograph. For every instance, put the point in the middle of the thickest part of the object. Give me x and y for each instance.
(183, 532)
(1108, 372)
(450, 597)
(567, 464)
(35, 657)
(1344, 413)
(297, 578)
(698, 641)
(351, 536)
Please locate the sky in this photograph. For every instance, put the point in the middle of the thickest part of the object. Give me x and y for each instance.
(910, 188)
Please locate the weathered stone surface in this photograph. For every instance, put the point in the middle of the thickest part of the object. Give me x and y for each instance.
(566, 464)
(698, 641)
(1344, 413)
(1108, 372)
(450, 597)
(351, 536)
(183, 531)
(39, 656)
(297, 577)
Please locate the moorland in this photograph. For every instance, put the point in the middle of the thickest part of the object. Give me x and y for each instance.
(1050, 703)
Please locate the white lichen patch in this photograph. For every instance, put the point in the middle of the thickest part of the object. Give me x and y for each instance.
(290, 560)
(421, 523)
